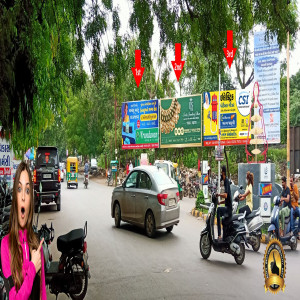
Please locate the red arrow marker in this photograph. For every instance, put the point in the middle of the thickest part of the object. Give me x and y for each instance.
(138, 71)
(178, 63)
(229, 51)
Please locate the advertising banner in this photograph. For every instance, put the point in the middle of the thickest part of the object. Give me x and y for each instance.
(267, 74)
(205, 179)
(180, 122)
(265, 172)
(6, 160)
(265, 189)
(234, 117)
(140, 124)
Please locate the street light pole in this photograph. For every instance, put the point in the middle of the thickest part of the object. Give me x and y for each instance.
(288, 106)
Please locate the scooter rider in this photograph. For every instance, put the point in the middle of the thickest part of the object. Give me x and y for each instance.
(227, 210)
(295, 210)
(286, 200)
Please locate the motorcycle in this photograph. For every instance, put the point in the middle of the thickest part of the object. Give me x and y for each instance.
(254, 223)
(290, 234)
(70, 274)
(86, 180)
(234, 233)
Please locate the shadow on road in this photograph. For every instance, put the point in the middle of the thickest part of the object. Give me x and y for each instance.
(219, 263)
(161, 234)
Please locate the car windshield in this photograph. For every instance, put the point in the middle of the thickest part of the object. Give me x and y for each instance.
(46, 157)
(162, 178)
(164, 167)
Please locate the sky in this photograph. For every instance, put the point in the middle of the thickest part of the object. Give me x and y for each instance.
(125, 9)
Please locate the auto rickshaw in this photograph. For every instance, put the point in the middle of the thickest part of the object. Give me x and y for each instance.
(72, 171)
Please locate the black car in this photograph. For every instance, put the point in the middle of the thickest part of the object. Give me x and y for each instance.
(47, 177)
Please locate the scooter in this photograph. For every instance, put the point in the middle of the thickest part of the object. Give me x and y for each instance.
(254, 222)
(234, 233)
(71, 273)
(86, 180)
(290, 235)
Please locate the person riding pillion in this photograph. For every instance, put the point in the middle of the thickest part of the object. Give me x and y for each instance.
(285, 201)
(227, 209)
(248, 195)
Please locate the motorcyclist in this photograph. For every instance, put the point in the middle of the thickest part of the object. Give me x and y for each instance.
(227, 209)
(86, 169)
(285, 201)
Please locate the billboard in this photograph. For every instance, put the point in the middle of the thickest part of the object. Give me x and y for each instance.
(267, 74)
(140, 124)
(234, 117)
(180, 122)
(6, 160)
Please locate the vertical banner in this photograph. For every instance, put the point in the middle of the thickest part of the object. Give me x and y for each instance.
(234, 117)
(140, 124)
(6, 160)
(180, 122)
(267, 74)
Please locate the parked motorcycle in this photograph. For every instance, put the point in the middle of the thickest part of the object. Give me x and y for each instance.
(70, 274)
(86, 180)
(254, 222)
(290, 234)
(234, 233)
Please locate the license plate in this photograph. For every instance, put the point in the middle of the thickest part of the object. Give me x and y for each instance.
(171, 202)
(47, 176)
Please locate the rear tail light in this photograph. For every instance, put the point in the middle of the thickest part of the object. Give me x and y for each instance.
(59, 177)
(161, 198)
(84, 247)
(34, 176)
(178, 197)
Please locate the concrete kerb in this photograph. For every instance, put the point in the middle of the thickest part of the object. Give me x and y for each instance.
(199, 214)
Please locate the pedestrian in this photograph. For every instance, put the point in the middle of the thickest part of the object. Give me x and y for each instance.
(295, 210)
(248, 195)
(227, 209)
(21, 253)
(130, 167)
(127, 169)
(285, 201)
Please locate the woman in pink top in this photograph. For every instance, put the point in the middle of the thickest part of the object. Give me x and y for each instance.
(21, 253)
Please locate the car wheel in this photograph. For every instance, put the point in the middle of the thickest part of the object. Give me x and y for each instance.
(170, 228)
(150, 225)
(117, 214)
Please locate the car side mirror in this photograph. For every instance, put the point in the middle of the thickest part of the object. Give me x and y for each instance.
(123, 184)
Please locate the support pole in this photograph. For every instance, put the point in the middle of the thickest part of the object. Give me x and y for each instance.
(288, 107)
(219, 163)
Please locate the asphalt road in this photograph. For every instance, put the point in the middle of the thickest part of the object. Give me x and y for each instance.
(125, 264)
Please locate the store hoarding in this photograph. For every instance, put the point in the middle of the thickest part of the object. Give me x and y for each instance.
(234, 117)
(181, 122)
(140, 124)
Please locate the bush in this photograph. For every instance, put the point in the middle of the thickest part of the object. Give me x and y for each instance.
(200, 200)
